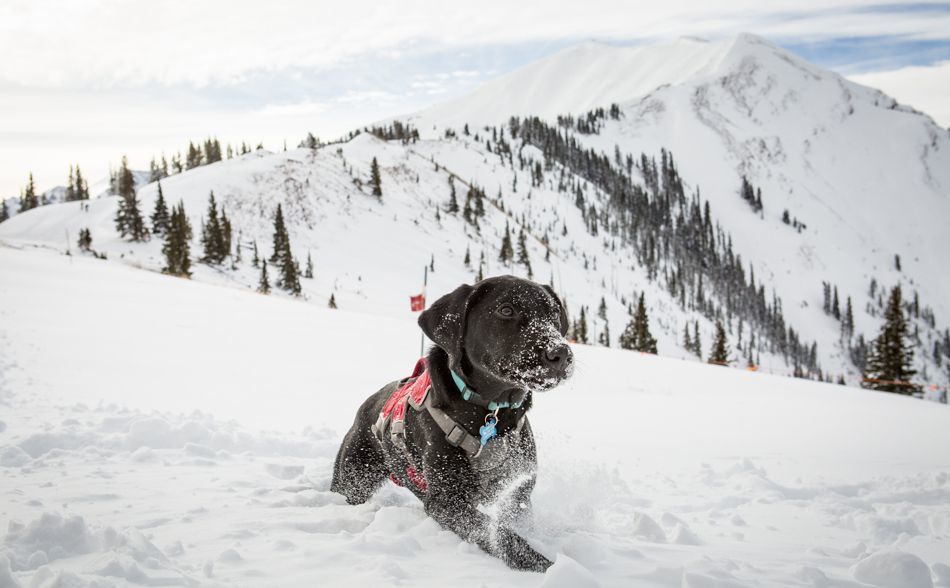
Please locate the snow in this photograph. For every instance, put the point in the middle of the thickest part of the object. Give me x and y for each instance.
(169, 431)
(844, 159)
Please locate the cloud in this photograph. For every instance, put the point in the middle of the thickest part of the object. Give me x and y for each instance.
(94, 79)
(121, 43)
(926, 88)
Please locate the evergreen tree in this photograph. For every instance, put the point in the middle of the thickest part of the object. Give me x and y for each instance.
(468, 257)
(847, 322)
(310, 142)
(523, 258)
(4, 211)
(160, 218)
(80, 186)
(604, 337)
(835, 305)
(687, 341)
(637, 335)
(719, 354)
(374, 179)
(213, 235)
(255, 261)
(128, 218)
(263, 285)
(29, 199)
(289, 276)
(85, 239)
(453, 206)
(226, 235)
(890, 362)
(697, 342)
(332, 302)
(308, 273)
(70, 194)
(506, 252)
(176, 248)
(193, 159)
(281, 239)
(580, 327)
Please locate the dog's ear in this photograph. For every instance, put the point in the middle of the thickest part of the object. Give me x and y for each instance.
(444, 321)
(562, 310)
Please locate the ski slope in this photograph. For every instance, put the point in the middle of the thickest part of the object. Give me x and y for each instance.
(163, 431)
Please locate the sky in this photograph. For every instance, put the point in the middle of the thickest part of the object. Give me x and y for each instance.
(87, 81)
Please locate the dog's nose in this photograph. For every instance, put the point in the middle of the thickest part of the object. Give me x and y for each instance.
(559, 356)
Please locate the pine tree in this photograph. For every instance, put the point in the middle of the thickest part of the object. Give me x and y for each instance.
(4, 212)
(523, 258)
(890, 363)
(160, 218)
(847, 324)
(332, 302)
(29, 200)
(835, 305)
(85, 239)
(719, 354)
(289, 276)
(281, 239)
(637, 335)
(580, 327)
(80, 187)
(374, 179)
(506, 252)
(310, 142)
(226, 235)
(263, 285)
(697, 342)
(193, 159)
(213, 235)
(256, 260)
(176, 248)
(70, 194)
(128, 217)
(308, 273)
(604, 337)
(687, 341)
(468, 257)
(453, 206)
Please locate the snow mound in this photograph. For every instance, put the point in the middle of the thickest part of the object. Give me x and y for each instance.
(893, 569)
(50, 537)
(567, 573)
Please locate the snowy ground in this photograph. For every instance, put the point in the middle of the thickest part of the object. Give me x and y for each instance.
(159, 431)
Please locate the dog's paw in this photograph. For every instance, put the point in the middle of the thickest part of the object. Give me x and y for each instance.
(518, 554)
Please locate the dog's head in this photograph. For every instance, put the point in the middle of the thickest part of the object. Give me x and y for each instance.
(507, 329)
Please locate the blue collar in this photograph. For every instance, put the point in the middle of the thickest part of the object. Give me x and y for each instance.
(470, 395)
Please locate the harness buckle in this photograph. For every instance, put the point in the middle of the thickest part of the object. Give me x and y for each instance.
(456, 436)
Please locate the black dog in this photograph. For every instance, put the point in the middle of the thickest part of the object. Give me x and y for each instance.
(496, 343)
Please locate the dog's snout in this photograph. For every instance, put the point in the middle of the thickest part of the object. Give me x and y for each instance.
(559, 355)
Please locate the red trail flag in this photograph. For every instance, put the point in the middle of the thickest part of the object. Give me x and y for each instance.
(417, 302)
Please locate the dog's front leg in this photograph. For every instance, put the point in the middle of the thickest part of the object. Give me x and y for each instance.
(450, 500)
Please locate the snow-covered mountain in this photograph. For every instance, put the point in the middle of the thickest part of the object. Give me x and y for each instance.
(862, 178)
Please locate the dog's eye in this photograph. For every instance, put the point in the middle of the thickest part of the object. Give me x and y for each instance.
(506, 311)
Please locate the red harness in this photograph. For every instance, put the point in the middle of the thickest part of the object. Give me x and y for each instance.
(395, 408)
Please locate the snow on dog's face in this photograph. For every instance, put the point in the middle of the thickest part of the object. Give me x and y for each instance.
(505, 327)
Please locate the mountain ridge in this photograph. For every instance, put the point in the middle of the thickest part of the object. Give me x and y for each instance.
(812, 142)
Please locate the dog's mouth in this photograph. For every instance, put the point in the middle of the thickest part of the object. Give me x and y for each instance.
(537, 378)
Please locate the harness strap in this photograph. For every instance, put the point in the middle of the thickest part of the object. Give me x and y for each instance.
(414, 392)
(455, 434)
